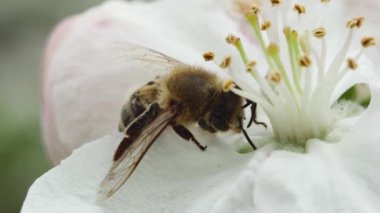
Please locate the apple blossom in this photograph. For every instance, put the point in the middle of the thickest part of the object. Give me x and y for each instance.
(317, 155)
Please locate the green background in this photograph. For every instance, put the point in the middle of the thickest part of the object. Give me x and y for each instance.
(24, 28)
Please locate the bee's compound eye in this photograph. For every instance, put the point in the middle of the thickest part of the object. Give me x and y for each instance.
(219, 121)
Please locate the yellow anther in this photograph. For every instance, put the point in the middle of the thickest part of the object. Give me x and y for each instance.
(319, 32)
(325, 1)
(265, 25)
(255, 9)
(359, 21)
(289, 32)
(305, 61)
(226, 62)
(231, 39)
(299, 9)
(276, 2)
(242, 6)
(352, 64)
(228, 85)
(208, 56)
(274, 77)
(355, 22)
(368, 42)
(250, 66)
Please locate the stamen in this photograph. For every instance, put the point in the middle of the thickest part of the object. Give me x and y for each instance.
(265, 25)
(368, 42)
(338, 76)
(297, 102)
(254, 22)
(228, 85)
(273, 52)
(299, 9)
(352, 64)
(305, 43)
(255, 9)
(359, 22)
(355, 23)
(274, 32)
(341, 55)
(234, 40)
(321, 60)
(254, 97)
(319, 32)
(274, 77)
(268, 92)
(208, 56)
(250, 66)
(276, 2)
(291, 39)
(231, 39)
(305, 61)
(226, 62)
(272, 49)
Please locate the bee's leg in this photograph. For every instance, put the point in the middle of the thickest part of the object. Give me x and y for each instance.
(247, 104)
(246, 135)
(202, 123)
(187, 135)
(253, 114)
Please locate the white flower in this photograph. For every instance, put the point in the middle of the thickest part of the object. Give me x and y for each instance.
(84, 91)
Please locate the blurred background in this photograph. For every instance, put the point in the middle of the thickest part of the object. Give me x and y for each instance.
(24, 28)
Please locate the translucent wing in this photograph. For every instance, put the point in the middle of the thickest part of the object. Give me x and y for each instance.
(148, 58)
(124, 166)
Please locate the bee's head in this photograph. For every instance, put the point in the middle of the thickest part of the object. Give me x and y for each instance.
(226, 112)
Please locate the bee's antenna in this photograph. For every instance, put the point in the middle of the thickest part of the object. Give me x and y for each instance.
(253, 107)
(246, 135)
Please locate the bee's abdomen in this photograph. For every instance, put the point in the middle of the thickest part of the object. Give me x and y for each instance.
(138, 103)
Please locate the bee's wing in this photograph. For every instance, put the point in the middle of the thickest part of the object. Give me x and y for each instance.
(146, 57)
(123, 167)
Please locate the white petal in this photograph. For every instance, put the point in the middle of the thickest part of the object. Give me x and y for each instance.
(315, 182)
(342, 177)
(365, 73)
(360, 149)
(175, 176)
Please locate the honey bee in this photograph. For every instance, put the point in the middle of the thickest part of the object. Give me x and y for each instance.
(184, 95)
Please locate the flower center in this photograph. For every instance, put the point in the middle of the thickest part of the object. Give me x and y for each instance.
(298, 85)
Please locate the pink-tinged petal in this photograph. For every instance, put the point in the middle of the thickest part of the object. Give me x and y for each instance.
(86, 79)
(53, 145)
